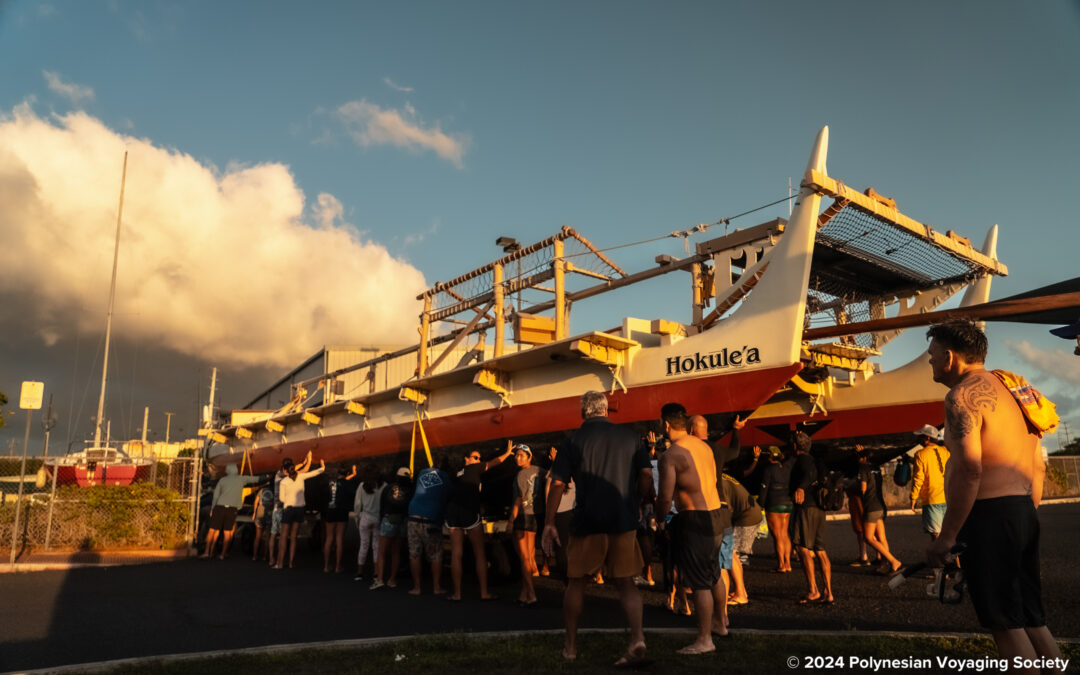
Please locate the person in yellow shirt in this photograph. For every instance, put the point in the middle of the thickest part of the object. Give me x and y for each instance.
(928, 481)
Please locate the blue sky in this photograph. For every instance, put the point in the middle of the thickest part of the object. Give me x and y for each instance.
(430, 129)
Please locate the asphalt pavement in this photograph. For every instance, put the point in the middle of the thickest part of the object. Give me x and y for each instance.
(88, 614)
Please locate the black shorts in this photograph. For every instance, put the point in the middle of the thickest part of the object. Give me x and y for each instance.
(808, 528)
(696, 543)
(222, 518)
(525, 523)
(336, 515)
(1001, 563)
(293, 515)
(460, 518)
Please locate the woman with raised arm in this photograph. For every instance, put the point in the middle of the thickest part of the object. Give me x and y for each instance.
(463, 519)
(292, 497)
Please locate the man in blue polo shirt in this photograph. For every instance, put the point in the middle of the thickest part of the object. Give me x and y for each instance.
(425, 534)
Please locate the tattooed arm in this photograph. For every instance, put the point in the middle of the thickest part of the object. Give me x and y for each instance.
(964, 407)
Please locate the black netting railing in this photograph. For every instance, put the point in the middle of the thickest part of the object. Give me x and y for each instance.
(862, 258)
(877, 241)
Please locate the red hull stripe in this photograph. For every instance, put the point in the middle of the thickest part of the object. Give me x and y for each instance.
(731, 392)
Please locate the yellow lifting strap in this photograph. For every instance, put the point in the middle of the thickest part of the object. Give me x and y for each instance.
(412, 449)
(244, 461)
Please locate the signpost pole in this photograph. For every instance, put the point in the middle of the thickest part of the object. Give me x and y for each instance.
(29, 400)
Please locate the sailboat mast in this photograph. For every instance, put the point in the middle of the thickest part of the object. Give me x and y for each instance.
(108, 318)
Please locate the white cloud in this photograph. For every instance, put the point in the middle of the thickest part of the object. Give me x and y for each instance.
(324, 139)
(76, 93)
(1058, 375)
(419, 237)
(368, 125)
(220, 265)
(1055, 364)
(393, 85)
(328, 210)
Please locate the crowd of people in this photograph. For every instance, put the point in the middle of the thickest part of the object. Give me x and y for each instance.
(607, 501)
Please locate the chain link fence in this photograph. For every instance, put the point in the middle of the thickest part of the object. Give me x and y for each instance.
(69, 505)
(1062, 480)
(1062, 477)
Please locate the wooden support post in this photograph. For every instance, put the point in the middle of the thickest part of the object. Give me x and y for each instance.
(500, 299)
(561, 317)
(695, 276)
(425, 330)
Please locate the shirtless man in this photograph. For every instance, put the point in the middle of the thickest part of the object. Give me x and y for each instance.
(688, 474)
(993, 483)
(730, 565)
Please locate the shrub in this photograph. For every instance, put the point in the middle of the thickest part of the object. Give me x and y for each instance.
(140, 515)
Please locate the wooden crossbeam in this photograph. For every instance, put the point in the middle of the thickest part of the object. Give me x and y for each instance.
(494, 381)
(611, 355)
(1002, 310)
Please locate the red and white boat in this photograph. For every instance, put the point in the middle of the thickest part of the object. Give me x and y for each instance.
(756, 296)
(99, 466)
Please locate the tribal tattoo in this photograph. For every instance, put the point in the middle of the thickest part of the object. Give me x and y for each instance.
(965, 403)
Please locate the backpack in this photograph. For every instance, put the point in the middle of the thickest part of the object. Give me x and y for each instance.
(828, 489)
(902, 473)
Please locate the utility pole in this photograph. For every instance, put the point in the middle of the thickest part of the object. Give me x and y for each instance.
(1065, 428)
(168, 423)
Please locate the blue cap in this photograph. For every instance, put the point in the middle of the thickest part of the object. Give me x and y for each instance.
(1068, 332)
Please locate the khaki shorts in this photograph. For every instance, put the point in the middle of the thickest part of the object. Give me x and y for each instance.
(617, 555)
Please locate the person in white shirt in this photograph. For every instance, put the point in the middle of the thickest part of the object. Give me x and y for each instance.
(291, 494)
(366, 509)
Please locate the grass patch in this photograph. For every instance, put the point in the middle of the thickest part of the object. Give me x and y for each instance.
(461, 653)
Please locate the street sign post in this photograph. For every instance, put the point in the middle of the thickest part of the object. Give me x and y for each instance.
(29, 399)
(31, 395)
